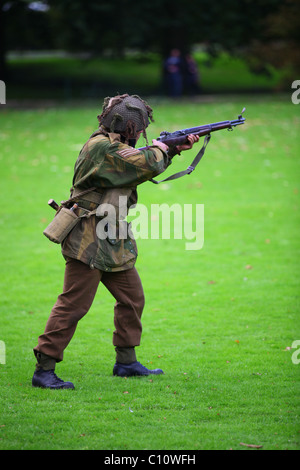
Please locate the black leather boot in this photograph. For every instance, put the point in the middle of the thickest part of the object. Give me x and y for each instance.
(44, 375)
(135, 368)
(48, 379)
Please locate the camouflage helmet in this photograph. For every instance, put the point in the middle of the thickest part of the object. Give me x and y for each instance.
(126, 114)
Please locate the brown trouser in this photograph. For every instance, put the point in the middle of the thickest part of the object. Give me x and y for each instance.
(80, 287)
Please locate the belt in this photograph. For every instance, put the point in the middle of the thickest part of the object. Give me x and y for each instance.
(88, 195)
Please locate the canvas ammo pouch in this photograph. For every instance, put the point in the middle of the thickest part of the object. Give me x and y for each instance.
(65, 219)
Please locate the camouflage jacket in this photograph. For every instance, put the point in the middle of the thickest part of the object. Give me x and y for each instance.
(114, 169)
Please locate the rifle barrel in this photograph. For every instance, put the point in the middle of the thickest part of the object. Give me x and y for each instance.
(201, 130)
(179, 137)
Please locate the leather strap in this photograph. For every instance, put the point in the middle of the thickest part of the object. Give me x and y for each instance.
(191, 167)
(89, 195)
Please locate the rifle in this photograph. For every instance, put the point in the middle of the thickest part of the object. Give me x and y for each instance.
(172, 139)
(180, 137)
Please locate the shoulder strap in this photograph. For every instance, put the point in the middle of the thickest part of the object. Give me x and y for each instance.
(189, 168)
(77, 195)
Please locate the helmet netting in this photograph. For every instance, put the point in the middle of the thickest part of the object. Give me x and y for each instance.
(126, 115)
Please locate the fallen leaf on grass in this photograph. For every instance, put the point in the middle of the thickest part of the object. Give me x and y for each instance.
(252, 446)
(248, 266)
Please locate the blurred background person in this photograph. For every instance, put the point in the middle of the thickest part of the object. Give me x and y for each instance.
(173, 72)
(191, 75)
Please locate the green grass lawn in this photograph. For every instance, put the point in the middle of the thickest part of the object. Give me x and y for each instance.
(219, 321)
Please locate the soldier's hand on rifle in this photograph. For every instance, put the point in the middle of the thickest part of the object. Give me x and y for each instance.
(163, 146)
(192, 139)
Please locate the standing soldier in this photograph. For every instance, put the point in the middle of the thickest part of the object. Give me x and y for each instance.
(108, 166)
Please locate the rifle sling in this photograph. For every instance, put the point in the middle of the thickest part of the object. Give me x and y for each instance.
(189, 168)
